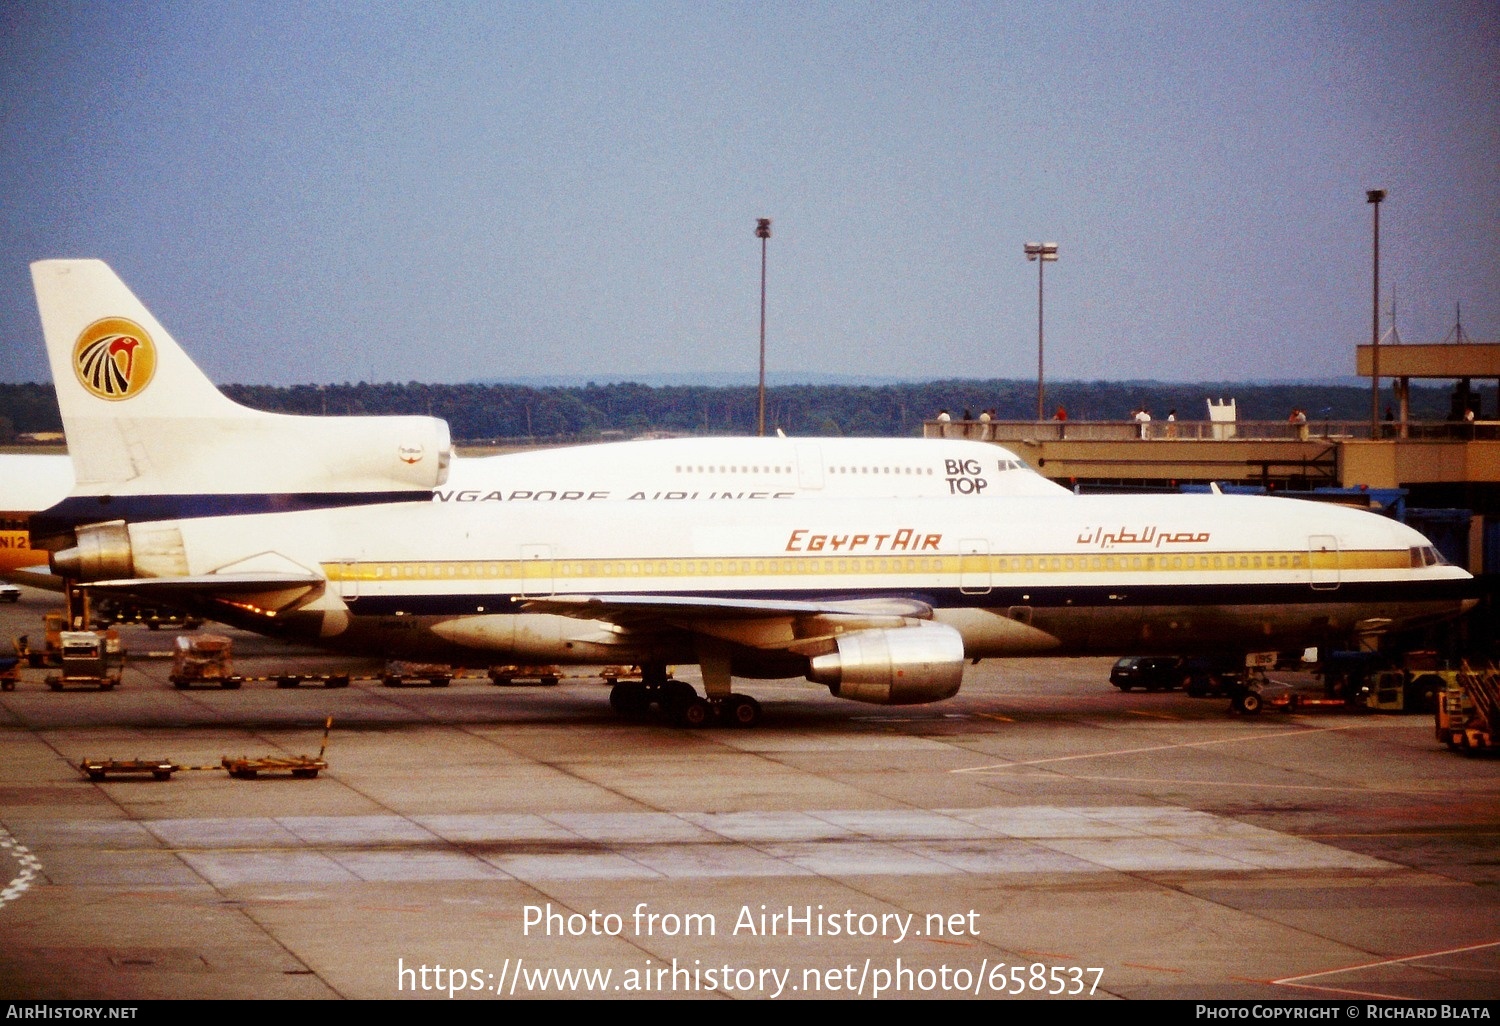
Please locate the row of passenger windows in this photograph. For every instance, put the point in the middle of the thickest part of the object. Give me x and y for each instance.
(1281, 561)
(976, 562)
(908, 471)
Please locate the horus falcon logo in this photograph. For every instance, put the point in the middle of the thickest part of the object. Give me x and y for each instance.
(114, 358)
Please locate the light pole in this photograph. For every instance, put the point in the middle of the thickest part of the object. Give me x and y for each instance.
(1373, 197)
(762, 232)
(1043, 253)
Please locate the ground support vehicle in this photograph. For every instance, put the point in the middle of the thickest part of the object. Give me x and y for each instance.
(88, 659)
(51, 651)
(297, 680)
(1390, 691)
(9, 673)
(416, 675)
(1469, 712)
(1204, 676)
(101, 769)
(9, 592)
(506, 675)
(205, 659)
(1365, 676)
(302, 766)
(247, 768)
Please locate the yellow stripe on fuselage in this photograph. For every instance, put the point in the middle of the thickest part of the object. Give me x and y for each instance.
(853, 566)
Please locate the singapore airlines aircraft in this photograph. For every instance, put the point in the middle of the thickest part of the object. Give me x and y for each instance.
(40, 488)
(28, 484)
(880, 599)
(183, 448)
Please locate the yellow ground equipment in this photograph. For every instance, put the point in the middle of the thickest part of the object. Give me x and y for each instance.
(50, 654)
(503, 676)
(1469, 712)
(101, 769)
(204, 659)
(306, 766)
(400, 674)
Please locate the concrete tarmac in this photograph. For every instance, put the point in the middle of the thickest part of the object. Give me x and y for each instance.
(1040, 833)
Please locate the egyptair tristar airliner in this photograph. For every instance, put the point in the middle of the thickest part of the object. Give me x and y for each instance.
(880, 599)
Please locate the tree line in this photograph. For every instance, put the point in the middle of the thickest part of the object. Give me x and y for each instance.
(486, 412)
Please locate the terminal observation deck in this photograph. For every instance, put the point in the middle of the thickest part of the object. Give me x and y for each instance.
(1280, 454)
(1454, 460)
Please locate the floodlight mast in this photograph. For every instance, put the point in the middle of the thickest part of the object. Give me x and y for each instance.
(1373, 197)
(1043, 253)
(762, 232)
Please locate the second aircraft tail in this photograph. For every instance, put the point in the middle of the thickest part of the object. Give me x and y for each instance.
(148, 431)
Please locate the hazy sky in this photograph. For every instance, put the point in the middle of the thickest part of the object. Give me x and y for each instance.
(435, 191)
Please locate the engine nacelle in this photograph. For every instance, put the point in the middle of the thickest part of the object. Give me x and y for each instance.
(894, 666)
(103, 551)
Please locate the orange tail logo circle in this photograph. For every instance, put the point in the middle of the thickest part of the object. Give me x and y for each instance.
(114, 358)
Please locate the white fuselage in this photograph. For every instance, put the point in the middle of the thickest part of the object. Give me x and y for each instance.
(629, 582)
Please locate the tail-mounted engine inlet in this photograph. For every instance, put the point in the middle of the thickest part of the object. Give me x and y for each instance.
(102, 552)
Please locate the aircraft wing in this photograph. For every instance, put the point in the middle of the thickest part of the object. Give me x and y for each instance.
(270, 591)
(208, 583)
(758, 623)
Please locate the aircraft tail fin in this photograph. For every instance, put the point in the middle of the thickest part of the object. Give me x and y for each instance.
(142, 419)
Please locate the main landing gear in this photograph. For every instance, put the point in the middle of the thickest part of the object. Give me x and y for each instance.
(679, 702)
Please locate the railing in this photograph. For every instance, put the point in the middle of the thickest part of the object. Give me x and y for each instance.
(1204, 430)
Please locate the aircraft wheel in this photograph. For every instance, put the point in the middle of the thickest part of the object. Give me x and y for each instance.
(629, 698)
(674, 694)
(695, 713)
(741, 711)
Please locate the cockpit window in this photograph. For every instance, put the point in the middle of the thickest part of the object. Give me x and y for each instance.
(1426, 555)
